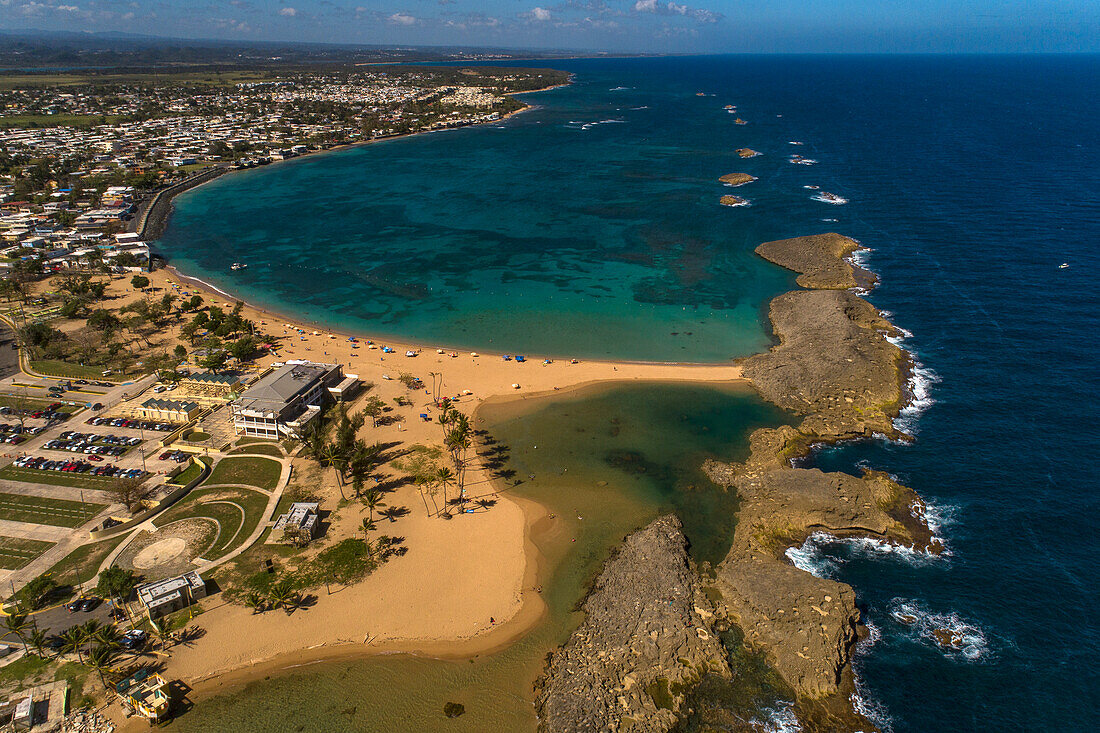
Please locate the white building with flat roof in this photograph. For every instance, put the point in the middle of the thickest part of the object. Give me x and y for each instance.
(171, 594)
(286, 399)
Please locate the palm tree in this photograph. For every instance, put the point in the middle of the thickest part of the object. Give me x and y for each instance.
(372, 500)
(444, 476)
(368, 527)
(281, 594)
(330, 456)
(72, 640)
(17, 625)
(100, 658)
(37, 639)
(91, 629)
(108, 636)
(256, 602)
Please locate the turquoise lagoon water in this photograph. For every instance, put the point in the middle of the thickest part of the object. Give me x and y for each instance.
(587, 227)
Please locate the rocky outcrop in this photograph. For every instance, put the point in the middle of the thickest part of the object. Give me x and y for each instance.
(807, 625)
(748, 152)
(645, 641)
(737, 179)
(820, 258)
(833, 364)
(834, 367)
(729, 200)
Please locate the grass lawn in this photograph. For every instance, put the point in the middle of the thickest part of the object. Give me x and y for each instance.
(13, 676)
(81, 565)
(57, 478)
(34, 403)
(16, 552)
(187, 475)
(260, 472)
(269, 449)
(237, 512)
(197, 436)
(40, 510)
(55, 368)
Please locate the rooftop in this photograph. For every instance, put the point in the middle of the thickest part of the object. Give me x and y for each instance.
(275, 389)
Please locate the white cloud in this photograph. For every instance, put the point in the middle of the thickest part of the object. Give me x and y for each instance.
(288, 12)
(68, 8)
(672, 8)
(540, 14)
(402, 19)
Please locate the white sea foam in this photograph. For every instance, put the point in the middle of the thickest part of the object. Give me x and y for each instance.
(779, 719)
(869, 708)
(972, 643)
(829, 220)
(620, 89)
(827, 198)
(810, 558)
(818, 554)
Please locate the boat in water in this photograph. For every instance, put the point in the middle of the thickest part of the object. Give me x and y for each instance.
(238, 266)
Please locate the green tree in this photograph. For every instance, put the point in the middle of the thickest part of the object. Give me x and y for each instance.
(372, 500)
(101, 659)
(140, 282)
(214, 360)
(17, 625)
(116, 583)
(37, 590)
(373, 407)
(72, 641)
(37, 638)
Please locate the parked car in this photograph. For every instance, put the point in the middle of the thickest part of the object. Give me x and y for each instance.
(89, 604)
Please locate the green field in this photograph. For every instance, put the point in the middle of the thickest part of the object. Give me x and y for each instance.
(82, 564)
(56, 368)
(268, 449)
(57, 478)
(34, 403)
(41, 510)
(13, 81)
(57, 120)
(188, 474)
(262, 473)
(236, 511)
(15, 552)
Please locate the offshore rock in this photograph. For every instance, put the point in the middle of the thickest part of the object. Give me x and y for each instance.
(737, 179)
(645, 641)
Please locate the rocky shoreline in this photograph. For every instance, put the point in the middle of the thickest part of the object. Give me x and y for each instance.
(834, 368)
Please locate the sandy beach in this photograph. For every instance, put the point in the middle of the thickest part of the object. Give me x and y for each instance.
(466, 586)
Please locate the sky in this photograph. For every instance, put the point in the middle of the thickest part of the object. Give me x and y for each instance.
(648, 26)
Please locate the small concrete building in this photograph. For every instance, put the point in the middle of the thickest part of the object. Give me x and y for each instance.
(300, 525)
(174, 411)
(286, 399)
(171, 594)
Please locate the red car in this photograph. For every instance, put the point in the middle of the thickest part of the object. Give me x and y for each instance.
(94, 458)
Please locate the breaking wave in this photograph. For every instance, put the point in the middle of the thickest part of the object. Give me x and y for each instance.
(947, 632)
(780, 719)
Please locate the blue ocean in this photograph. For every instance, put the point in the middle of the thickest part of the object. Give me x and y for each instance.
(590, 226)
